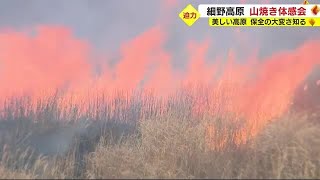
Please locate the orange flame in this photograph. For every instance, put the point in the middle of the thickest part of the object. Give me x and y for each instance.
(54, 59)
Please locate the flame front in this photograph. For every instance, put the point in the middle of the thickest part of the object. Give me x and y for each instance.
(258, 90)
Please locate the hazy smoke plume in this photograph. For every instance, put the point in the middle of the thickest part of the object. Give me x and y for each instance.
(106, 45)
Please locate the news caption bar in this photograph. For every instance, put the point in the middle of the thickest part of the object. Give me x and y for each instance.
(255, 15)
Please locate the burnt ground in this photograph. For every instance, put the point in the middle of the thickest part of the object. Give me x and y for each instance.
(77, 139)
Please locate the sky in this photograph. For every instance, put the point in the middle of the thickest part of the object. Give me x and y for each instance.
(108, 23)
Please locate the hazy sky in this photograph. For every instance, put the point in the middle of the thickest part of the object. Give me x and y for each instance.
(107, 23)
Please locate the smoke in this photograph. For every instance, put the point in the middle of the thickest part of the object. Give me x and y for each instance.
(250, 72)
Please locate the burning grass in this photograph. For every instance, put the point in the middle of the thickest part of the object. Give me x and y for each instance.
(143, 137)
(235, 127)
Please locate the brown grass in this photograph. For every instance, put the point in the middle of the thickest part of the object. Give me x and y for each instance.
(7, 174)
(173, 145)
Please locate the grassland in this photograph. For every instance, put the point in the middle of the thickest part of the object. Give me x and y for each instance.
(146, 138)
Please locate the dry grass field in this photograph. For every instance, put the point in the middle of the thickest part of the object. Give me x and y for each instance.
(108, 90)
(145, 139)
